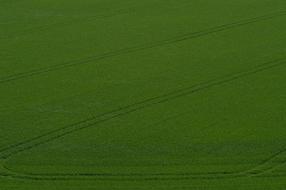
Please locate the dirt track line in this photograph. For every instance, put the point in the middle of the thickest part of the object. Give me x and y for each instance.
(139, 48)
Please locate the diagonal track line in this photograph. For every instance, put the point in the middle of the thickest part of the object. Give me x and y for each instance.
(94, 121)
(90, 122)
(180, 38)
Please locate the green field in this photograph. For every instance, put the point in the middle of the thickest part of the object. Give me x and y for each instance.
(150, 94)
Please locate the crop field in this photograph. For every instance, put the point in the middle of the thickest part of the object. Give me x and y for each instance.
(142, 94)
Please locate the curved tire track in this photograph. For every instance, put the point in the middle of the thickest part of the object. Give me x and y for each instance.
(131, 176)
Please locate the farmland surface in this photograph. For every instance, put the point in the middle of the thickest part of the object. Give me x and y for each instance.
(142, 94)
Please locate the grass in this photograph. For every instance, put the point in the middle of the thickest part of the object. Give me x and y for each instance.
(106, 94)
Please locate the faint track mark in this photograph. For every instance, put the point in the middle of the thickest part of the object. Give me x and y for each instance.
(123, 51)
(90, 122)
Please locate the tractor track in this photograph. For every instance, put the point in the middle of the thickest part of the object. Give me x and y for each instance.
(257, 171)
(176, 39)
(90, 122)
